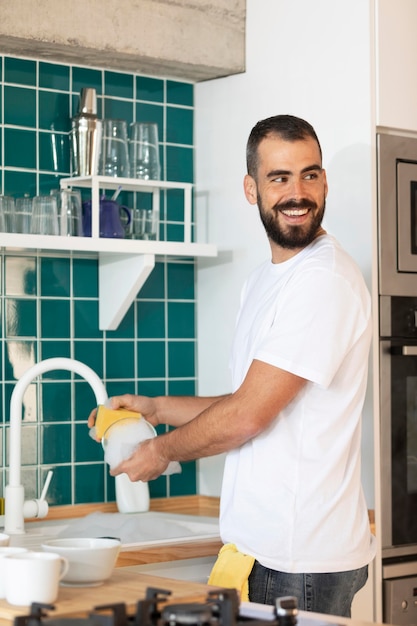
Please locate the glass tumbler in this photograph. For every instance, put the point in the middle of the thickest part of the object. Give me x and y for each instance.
(114, 157)
(23, 214)
(44, 216)
(145, 224)
(4, 204)
(69, 212)
(144, 151)
(150, 224)
(8, 210)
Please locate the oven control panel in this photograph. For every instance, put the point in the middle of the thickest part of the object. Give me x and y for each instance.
(398, 316)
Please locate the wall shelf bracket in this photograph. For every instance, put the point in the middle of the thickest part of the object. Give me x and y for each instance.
(121, 276)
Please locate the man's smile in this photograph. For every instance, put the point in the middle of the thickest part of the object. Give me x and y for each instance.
(294, 212)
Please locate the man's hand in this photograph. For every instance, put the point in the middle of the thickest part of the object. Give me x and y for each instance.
(140, 404)
(146, 463)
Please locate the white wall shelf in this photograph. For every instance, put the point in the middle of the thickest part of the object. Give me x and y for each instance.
(124, 264)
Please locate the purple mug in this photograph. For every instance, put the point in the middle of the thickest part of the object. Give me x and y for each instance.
(111, 224)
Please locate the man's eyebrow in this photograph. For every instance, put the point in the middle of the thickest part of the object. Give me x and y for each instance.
(309, 168)
(315, 168)
(275, 173)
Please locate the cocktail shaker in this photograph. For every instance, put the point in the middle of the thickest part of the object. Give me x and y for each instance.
(86, 135)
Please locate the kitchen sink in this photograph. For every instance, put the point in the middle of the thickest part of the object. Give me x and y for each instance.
(133, 529)
(196, 570)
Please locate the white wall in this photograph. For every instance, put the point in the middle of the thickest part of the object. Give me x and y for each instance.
(311, 59)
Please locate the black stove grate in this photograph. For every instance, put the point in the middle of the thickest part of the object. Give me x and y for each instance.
(221, 608)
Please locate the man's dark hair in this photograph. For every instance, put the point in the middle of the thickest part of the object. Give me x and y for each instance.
(287, 127)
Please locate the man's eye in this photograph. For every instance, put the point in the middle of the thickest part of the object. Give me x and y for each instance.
(311, 176)
(281, 179)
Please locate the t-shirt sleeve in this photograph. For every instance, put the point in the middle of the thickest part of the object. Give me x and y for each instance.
(318, 319)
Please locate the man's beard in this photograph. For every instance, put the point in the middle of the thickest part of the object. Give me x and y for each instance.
(293, 237)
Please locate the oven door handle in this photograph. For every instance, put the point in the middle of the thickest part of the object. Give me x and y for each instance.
(405, 350)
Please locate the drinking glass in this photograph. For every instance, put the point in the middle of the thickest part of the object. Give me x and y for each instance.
(150, 224)
(136, 228)
(3, 202)
(69, 211)
(144, 151)
(114, 157)
(145, 224)
(44, 215)
(8, 210)
(23, 214)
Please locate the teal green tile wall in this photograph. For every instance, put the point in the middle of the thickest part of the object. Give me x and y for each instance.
(49, 303)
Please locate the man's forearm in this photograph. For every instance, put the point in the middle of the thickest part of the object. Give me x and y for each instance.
(178, 410)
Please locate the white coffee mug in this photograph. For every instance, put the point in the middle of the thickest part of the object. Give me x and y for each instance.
(4, 539)
(6, 551)
(33, 577)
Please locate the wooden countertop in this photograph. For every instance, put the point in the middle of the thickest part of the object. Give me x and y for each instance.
(188, 505)
(125, 586)
(128, 586)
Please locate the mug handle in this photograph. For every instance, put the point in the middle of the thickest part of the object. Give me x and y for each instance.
(64, 567)
(127, 211)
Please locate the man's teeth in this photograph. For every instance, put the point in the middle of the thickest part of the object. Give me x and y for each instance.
(295, 212)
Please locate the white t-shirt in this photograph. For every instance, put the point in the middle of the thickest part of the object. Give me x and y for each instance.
(292, 496)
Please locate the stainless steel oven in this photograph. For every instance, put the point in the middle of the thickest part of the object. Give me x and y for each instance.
(398, 415)
(397, 281)
(398, 433)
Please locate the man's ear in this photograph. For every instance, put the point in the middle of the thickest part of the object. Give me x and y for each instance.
(249, 185)
(326, 188)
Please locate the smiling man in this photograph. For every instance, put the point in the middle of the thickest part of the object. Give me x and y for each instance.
(291, 198)
(292, 499)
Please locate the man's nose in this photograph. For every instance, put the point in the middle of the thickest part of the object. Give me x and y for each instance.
(297, 187)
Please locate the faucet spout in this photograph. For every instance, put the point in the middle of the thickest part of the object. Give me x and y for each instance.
(14, 493)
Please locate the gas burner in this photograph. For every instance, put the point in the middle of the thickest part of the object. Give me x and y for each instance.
(187, 615)
(220, 609)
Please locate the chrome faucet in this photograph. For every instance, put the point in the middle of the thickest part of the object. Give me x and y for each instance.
(15, 505)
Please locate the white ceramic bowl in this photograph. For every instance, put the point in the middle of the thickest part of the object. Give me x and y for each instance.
(91, 560)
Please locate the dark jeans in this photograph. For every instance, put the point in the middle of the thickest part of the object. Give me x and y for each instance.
(322, 593)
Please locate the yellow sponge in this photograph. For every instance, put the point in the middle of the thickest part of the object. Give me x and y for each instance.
(106, 417)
